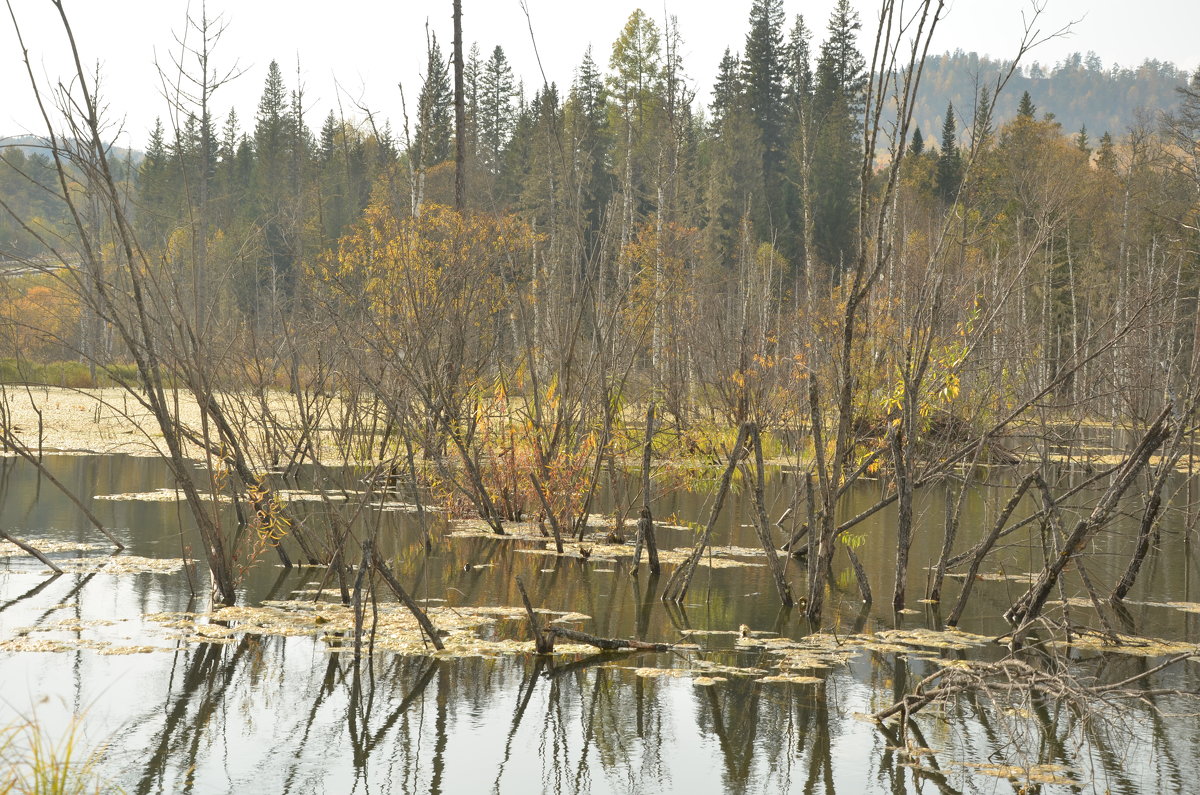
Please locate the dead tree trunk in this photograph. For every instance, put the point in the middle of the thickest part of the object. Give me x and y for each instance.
(1149, 517)
(762, 524)
(677, 586)
(1030, 605)
(550, 517)
(645, 531)
(401, 594)
(460, 116)
(902, 455)
(984, 546)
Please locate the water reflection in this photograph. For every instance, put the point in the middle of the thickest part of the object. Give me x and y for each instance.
(280, 714)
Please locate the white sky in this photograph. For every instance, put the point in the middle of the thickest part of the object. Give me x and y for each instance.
(367, 48)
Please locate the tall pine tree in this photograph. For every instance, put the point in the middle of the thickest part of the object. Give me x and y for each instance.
(764, 73)
(496, 116)
(949, 164)
(837, 100)
(435, 111)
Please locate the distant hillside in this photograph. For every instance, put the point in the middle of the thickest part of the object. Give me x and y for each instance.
(1079, 91)
(30, 145)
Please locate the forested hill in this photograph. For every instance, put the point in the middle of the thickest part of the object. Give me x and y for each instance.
(1080, 91)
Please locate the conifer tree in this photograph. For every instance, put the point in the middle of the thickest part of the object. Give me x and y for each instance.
(328, 138)
(764, 69)
(497, 91)
(949, 164)
(272, 142)
(588, 110)
(735, 163)
(1106, 156)
(981, 129)
(635, 89)
(836, 157)
(435, 108)
(917, 147)
(727, 90)
(1082, 142)
(798, 245)
(157, 184)
(1025, 108)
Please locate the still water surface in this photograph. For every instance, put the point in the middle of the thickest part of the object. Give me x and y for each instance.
(283, 714)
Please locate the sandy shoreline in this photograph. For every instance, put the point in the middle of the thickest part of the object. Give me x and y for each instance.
(110, 420)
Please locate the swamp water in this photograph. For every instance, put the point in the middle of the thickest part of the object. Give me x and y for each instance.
(264, 701)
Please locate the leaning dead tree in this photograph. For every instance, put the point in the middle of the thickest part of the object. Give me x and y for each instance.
(1073, 546)
(191, 356)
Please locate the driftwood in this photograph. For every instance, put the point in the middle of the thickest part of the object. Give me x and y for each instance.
(32, 550)
(1015, 676)
(608, 644)
(543, 642)
(544, 637)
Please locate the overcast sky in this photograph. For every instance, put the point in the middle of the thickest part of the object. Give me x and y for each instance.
(359, 50)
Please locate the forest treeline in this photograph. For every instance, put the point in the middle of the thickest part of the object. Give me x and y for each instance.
(622, 178)
(798, 266)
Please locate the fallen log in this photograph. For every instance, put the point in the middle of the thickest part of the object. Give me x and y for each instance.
(608, 644)
(544, 637)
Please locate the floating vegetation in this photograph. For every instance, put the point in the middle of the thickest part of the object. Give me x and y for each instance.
(158, 495)
(47, 547)
(929, 638)
(1035, 774)
(731, 670)
(664, 673)
(121, 564)
(707, 681)
(31, 640)
(714, 558)
(1023, 577)
(285, 495)
(130, 649)
(1127, 644)
(397, 631)
(795, 680)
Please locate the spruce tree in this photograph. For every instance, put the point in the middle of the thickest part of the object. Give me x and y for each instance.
(155, 179)
(588, 107)
(764, 69)
(271, 140)
(1026, 109)
(435, 111)
(328, 137)
(837, 101)
(843, 65)
(981, 129)
(917, 147)
(497, 91)
(800, 75)
(1082, 142)
(799, 97)
(1106, 156)
(727, 90)
(949, 164)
